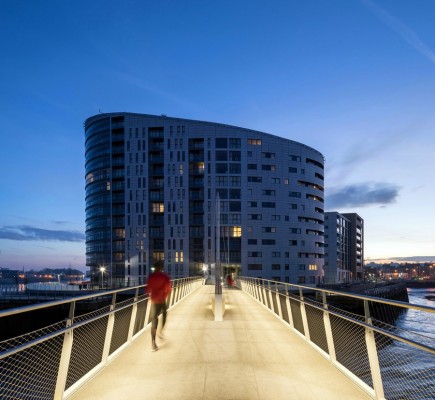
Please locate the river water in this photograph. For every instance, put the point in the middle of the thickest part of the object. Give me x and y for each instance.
(408, 373)
(417, 321)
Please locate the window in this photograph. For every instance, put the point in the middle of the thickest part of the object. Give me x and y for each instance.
(312, 267)
(221, 168)
(255, 254)
(235, 206)
(252, 204)
(276, 254)
(235, 143)
(158, 207)
(267, 167)
(276, 267)
(267, 192)
(235, 194)
(301, 267)
(254, 142)
(235, 231)
(235, 156)
(269, 229)
(256, 179)
(295, 230)
(293, 243)
(252, 241)
(255, 267)
(276, 218)
(221, 181)
(268, 155)
(252, 166)
(295, 194)
(235, 181)
(221, 155)
(301, 280)
(295, 158)
(276, 180)
(292, 170)
(268, 204)
(221, 143)
(268, 242)
(235, 168)
(255, 216)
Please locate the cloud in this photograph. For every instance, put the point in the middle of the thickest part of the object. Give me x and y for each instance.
(30, 233)
(407, 34)
(362, 195)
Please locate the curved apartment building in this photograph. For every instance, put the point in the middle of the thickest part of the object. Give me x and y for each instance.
(159, 187)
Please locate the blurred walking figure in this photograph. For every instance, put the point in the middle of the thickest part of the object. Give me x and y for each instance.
(230, 281)
(159, 287)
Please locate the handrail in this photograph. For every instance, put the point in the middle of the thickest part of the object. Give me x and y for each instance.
(355, 296)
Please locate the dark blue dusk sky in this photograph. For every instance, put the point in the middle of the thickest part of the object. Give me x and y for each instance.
(354, 79)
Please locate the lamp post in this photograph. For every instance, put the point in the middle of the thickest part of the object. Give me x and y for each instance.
(102, 269)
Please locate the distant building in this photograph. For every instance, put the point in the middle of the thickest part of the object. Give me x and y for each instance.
(356, 245)
(344, 247)
(152, 190)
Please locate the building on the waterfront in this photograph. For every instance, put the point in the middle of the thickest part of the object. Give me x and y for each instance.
(154, 183)
(344, 247)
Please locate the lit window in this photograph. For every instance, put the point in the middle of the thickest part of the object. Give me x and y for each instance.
(158, 207)
(236, 231)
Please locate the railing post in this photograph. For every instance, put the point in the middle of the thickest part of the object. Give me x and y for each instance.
(172, 297)
(133, 316)
(289, 309)
(278, 300)
(65, 356)
(256, 289)
(264, 294)
(304, 315)
(372, 353)
(328, 329)
(109, 330)
(270, 296)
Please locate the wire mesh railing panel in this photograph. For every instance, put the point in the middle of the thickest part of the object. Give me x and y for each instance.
(407, 373)
(32, 373)
(120, 328)
(139, 323)
(316, 327)
(351, 348)
(23, 339)
(284, 311)
(87, 349)
(295, 307)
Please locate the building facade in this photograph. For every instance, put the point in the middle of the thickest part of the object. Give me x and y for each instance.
(168, 188)
(344, 248)
(356, 245)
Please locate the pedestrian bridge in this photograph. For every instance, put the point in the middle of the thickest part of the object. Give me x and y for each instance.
(271, 344)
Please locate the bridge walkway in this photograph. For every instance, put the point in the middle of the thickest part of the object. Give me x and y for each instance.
(250, 355)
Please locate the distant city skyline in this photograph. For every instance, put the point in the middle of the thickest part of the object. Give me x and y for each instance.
(354, 80)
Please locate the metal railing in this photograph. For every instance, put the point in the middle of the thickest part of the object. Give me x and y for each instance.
(61, 353)
(385, 361)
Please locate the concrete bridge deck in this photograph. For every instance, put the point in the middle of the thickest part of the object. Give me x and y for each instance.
(250, 355)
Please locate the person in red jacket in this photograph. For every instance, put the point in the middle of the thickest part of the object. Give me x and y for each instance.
(159, 287)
